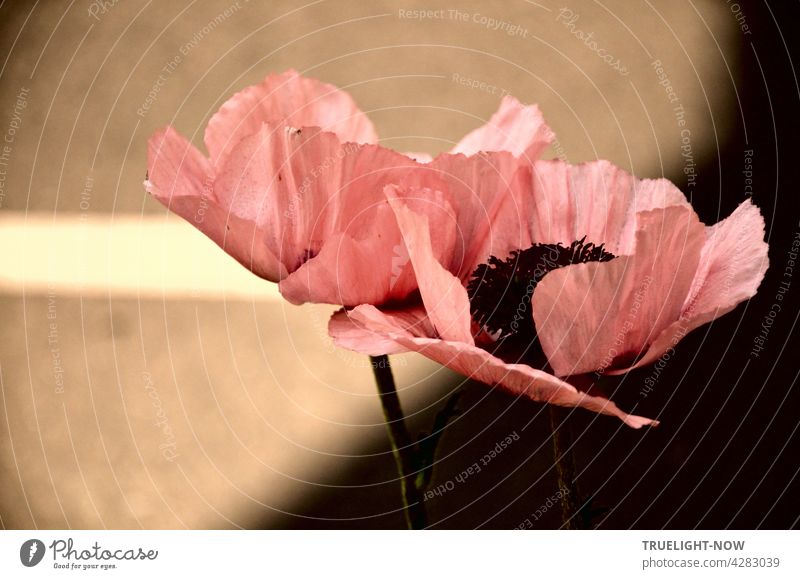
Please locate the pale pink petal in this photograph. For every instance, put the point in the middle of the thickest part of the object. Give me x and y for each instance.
(564, 203)
(652, 194)
(182, 179)
(444, 296)
(732, 265)
(467, 359)
(289, 99)
(176, 167)
(355, 336)
(368, 264)
(480, 187)
(594, 316)
(306, 187)
(515, 128)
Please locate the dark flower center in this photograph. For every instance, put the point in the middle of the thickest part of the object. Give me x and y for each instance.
(500, 290)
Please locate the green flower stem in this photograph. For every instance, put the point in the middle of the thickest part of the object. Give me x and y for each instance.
(402, 446)
(572, 515)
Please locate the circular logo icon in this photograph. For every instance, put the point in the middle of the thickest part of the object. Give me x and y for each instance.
(31, 552)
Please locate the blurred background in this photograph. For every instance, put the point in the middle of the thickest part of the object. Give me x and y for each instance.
(148, 381)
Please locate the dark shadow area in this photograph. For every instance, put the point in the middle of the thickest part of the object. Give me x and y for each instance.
(474, 484)
(726, 452)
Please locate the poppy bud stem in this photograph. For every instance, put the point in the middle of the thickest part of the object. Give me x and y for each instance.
(403, 448)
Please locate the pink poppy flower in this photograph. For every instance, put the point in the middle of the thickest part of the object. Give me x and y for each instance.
(584, 270)
(293, 186)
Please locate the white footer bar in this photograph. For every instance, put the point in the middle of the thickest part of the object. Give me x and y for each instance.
(397, 554)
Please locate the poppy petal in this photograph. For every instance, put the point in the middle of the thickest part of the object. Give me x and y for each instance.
(182, 180)
(444, 296)
(591, 315)
(732, 265)
(516, 128)
(292, 100)
(597, 200)
(467, 359)
(306, 188)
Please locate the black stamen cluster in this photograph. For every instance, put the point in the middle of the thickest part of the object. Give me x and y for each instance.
(500, 290)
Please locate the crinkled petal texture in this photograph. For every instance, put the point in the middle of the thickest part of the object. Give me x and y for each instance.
(369, 330)
(441, 328)
(732, 265)
(295, 206)
(183, 180)
(592, 315)
(474, 192)
(674, 274)
(289, 99)
(294, 190)
(290, 193)
(478, 188)
(515, 128)
(443, 294)
(323, 206)
(555, 202)
(560, 203)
